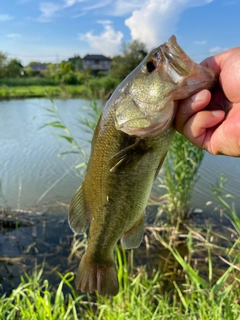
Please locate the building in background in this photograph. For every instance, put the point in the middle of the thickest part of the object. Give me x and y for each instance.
(96, 62)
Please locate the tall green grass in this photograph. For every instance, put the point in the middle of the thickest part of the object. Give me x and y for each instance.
(179, 175)
(34, 299)
(140, 296)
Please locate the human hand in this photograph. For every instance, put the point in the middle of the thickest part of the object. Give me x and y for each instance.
(211, 120)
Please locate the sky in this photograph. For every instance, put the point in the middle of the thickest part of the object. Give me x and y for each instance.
(55, 30)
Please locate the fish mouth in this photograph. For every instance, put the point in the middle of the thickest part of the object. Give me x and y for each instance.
(176, 58)
(182, 68)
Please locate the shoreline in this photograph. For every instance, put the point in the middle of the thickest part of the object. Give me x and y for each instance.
(26, 92)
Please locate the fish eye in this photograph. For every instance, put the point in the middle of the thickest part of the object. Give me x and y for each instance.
(150, 66)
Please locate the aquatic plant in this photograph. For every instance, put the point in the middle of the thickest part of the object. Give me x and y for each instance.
(178, 177)
(63, 132)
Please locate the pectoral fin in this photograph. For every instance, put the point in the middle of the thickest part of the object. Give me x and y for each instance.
(78, 217)
(129, 157)
(133, 237)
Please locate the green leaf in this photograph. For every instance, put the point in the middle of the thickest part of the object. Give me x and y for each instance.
(68, 138)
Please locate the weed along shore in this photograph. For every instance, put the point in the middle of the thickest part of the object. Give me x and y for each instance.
(23, 92)
(172, 270)
(187, 264)
(101, 87)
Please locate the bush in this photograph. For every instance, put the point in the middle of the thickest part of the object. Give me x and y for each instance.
(70, 78)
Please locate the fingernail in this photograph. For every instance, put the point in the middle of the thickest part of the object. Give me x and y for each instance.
(199, 96)
(217, 113)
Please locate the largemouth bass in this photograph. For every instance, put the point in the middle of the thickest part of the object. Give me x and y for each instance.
(129, 145)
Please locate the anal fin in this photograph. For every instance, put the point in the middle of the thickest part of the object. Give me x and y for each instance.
(133, 237)
(78, 216)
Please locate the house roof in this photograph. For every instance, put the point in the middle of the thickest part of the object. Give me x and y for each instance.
(96, 57)
(38, 67)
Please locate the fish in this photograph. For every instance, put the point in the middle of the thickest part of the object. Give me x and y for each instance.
(128, 148)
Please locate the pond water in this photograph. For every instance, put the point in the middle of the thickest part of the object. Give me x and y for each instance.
(31, 170)
(33, 174)
(34, 177)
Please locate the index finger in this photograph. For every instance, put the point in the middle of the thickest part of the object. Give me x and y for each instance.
(213, 62)
(188, 107)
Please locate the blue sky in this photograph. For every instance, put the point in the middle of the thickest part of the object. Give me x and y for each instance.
(55, 30)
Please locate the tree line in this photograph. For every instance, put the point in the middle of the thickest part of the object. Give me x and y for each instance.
(71, 71)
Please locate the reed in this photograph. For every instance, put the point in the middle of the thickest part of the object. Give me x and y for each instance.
(178, 178)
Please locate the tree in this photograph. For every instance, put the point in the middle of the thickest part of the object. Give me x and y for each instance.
(3, 62)
(76, 62)
(13, 69)
(133, 54)
(65, 67)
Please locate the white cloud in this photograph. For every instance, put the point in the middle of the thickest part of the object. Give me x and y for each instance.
(200, 43)
(104, 22)
(78, 15)
(215, 50)
(107, 42)
(5, 17)
(69, 3)
(48, 11)
(122, 7)
(97, 5)
(14, 36)
(157, 19)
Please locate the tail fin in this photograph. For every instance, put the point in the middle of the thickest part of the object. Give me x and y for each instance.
(97, 277)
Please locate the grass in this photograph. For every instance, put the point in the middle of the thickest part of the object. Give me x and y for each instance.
(102, 87)
(178, 178)
(140, 296)
(143, 293)
(61, 91)
(33, 299)
(28, 81)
